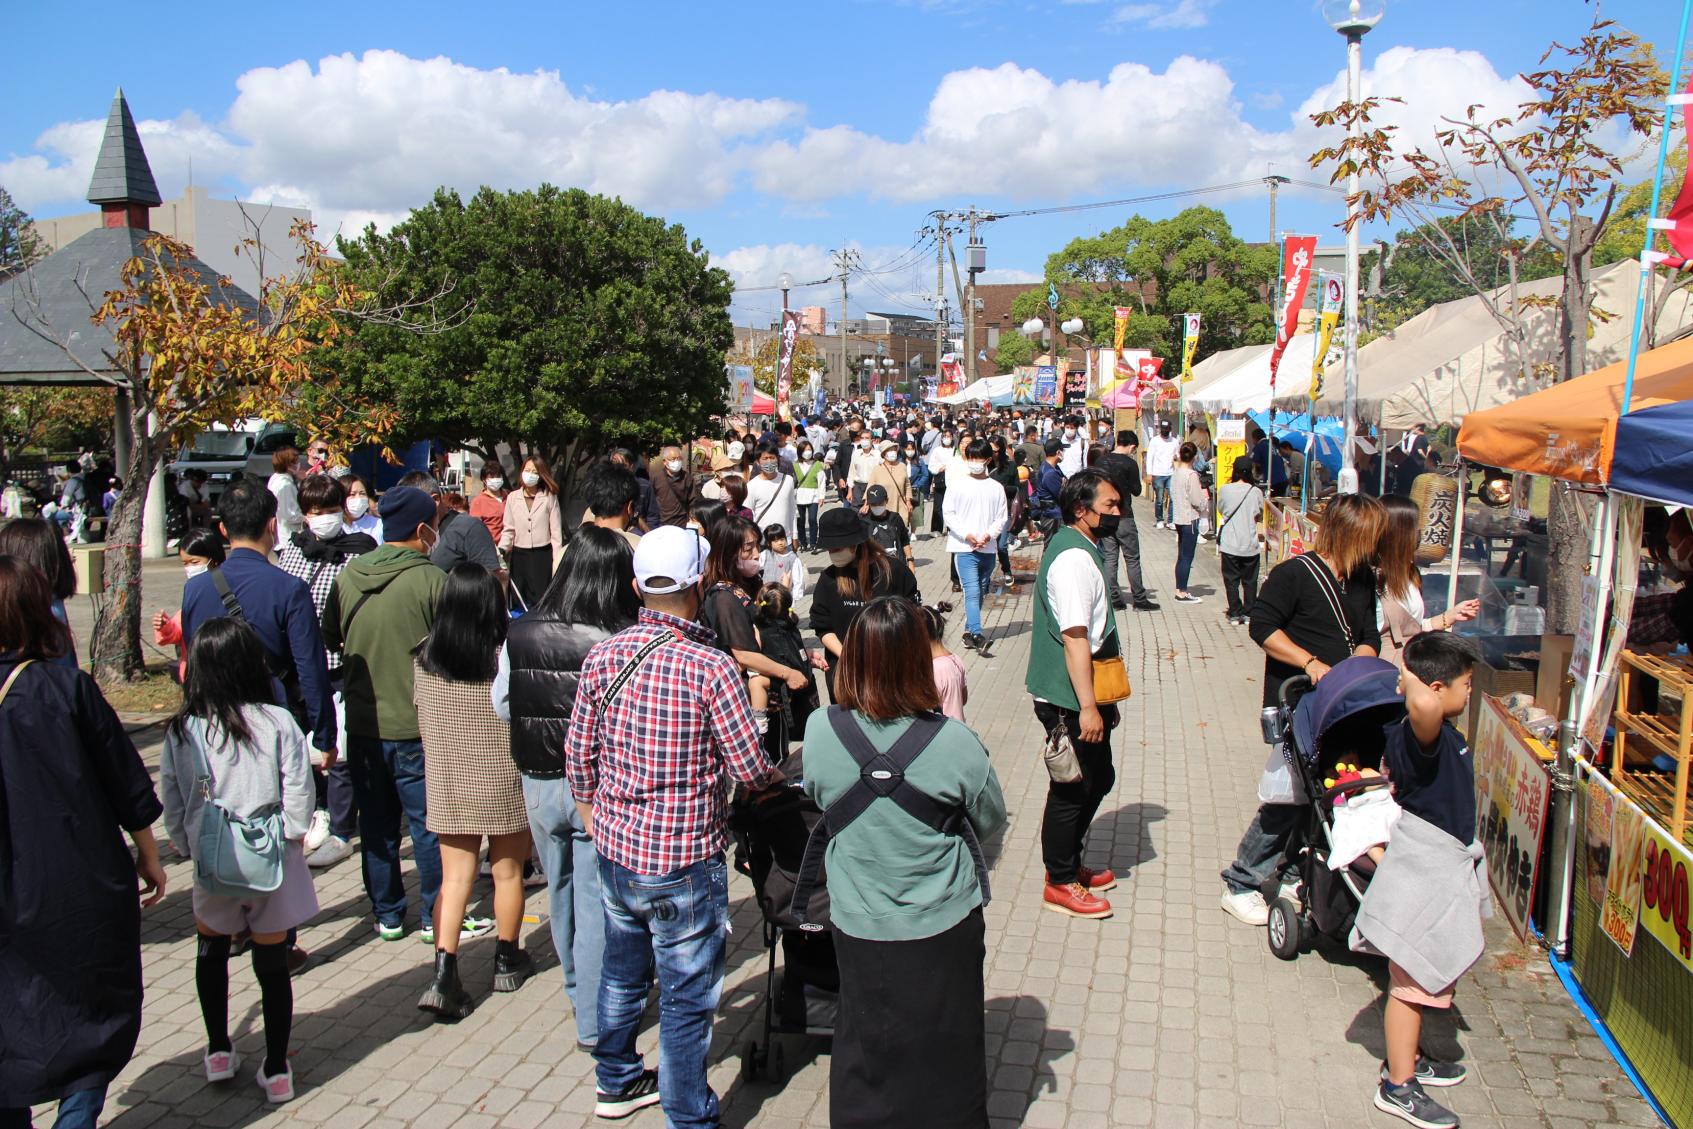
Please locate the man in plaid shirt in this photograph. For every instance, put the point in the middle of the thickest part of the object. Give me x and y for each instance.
(660, 725)
(317, 555)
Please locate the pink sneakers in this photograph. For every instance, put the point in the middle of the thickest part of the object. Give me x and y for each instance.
(279, 1088)
(221, 1065)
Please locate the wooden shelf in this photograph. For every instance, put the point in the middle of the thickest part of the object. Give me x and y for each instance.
(1663, 794)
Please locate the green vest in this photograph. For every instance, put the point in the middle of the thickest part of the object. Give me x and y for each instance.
(1048, 678)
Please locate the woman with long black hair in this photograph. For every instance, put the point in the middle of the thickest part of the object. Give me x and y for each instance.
(473, 788)
(592, 597)
(731, 581)
(859, 571)
(38, 541)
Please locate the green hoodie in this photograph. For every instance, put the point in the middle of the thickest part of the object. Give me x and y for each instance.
(382, 606)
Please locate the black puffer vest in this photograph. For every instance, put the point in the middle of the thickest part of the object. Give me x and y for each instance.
(546, 661)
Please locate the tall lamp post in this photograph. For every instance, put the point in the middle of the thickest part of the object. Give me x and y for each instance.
(1352, 19)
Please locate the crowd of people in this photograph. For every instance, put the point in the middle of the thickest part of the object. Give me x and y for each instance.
(580, 710)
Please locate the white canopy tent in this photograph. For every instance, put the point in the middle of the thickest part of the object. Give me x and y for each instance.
(1455, 358)
(1245, 386)
(983, 391)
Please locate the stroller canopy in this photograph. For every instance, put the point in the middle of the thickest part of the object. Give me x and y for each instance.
(1352, 686)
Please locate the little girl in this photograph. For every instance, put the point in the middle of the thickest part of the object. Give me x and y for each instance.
(254, 756)
(780, 564)
(200, 550)
(779, 638)
(949, 671)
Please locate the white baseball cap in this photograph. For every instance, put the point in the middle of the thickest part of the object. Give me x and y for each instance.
(673, 555)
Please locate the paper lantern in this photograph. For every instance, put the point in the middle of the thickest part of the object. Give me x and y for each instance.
(1437, 505)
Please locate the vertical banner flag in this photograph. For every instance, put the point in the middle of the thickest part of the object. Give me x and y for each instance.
(1119, 326)
(785, 363)
(1296, 262)
(1678, 222)
(1331, 290)
(1190, 344)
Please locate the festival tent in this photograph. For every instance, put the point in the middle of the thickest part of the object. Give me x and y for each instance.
(763, 405)
(1246, 387)
(1325, 441)
(1215, 369)
(1455, 358)
(1575, 430)
(992, 390)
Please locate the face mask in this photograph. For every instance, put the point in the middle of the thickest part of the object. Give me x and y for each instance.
(1069, 433)
(531, 479)
(324, 525)
(879, 511)
(946, 440)
(674, 466)
(767, 469)
(358, 505)
(864, 445)
(1107, 526)
(911, 452)
(840, 558)
(806, 456)
(976, 467)
(749, 568)
(891, 456)
(194, 570)
(494, 483)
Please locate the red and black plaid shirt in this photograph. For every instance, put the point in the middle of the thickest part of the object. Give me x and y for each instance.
(656, 763)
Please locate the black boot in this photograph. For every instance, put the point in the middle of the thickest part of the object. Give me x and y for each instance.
(446, 997)
(512, 966)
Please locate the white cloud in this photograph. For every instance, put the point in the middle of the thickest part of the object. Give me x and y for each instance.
(1181, 15)
(1267, 99)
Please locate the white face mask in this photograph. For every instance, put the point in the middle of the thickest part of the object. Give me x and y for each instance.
(494, 483)
(806, 457)
(946, 440)
(324, 525)
(864, 444)
(976, 468)
(674, 466)
(840, 558)
(358, 505)
(879, 511)
(767, 469)
(194, 570)
(1069, 433)
(531, 479)
(891, 456)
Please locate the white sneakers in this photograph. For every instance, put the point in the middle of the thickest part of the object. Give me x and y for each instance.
(221, 1065)
(1248, 907)
(317, 831)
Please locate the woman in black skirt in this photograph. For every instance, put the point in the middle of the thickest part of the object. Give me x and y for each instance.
(905, 899)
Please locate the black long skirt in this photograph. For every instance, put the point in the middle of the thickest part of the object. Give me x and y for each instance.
(531, 572)
(910, 1038)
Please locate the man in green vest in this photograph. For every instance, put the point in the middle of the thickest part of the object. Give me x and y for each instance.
(1074, 625)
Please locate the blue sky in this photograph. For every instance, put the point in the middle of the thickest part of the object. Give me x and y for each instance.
(773, 132)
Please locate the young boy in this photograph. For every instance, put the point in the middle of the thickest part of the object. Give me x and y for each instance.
(886, 527)
(1425, 906)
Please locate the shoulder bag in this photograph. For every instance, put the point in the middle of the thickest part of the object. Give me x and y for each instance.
(236, 856)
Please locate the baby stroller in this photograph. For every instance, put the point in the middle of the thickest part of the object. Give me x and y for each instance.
(1337, 721)
(771, 830)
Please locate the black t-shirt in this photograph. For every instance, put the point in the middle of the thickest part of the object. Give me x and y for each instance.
(1436, 784)
(1124, 473)
(1292, 600)
(833, 614)
(890, 532)
(725, 611)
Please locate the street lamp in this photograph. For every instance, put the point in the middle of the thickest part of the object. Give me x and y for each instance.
(1073, 326)
(786, 282)
(1353, 19)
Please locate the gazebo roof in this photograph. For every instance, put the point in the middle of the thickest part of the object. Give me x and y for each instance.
(122, 174)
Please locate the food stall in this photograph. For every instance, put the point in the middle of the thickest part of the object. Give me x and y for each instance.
(1617, 833)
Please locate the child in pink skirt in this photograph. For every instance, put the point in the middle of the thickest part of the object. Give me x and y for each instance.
(949, 670)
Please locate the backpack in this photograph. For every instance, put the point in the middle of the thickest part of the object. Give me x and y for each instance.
(236, 856)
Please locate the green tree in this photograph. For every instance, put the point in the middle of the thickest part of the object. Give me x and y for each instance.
(1015, 349)
(1162, 269)
(19, 245)
(582, 323)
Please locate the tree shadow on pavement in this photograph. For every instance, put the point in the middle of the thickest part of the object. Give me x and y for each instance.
(1124, 836)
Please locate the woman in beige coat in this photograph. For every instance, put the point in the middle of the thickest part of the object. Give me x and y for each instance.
(893, 474)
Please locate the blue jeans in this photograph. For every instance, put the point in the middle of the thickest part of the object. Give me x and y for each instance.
(1163, 509)
(807, 519)
(388, 782)
(1259, 855)
(975, 570)
(1187, 539)
(76, 1111)
(573, 895)
(680, 922)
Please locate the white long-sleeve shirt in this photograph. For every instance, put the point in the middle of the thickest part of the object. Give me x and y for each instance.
(974, 507)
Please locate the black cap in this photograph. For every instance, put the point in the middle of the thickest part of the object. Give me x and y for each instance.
(877, 495)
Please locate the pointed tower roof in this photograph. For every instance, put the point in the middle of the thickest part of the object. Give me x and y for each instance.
(122, 174)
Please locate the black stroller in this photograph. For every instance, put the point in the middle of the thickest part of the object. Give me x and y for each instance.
(771, 830)
(1338, 721)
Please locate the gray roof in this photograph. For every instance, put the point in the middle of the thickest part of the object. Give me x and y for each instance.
(45, 311)
(122, 174)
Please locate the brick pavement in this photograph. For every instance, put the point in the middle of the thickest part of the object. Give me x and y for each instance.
(1170, 1014)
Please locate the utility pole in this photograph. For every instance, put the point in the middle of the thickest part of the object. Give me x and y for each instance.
(1275, 182)
(843, 263)
(940, 289)
(971, 253)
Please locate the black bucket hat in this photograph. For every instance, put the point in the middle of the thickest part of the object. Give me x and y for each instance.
(840, 529)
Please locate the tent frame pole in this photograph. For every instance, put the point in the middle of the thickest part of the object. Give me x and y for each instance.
(1457, 539)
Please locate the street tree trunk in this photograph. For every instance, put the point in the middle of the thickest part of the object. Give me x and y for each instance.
(115, 654)
(1569, 512)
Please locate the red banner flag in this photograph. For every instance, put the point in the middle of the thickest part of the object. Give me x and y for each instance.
(1299, 251)
(1680, 218)
(1149, 367)
(785, 362)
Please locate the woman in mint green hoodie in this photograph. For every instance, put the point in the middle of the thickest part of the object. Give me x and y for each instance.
(905, 898)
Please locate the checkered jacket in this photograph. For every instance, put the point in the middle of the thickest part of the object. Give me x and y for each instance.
(319, 577)
(656, 762)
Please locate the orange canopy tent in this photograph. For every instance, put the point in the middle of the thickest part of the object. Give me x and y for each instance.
(1569, 430)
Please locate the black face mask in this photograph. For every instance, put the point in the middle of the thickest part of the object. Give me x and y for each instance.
(1107, 526)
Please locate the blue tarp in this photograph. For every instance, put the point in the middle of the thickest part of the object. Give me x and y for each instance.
(1654, 453)
(1297, 430)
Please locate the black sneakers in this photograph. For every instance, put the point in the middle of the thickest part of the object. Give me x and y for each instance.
(642, 1093)
(1411, 1103)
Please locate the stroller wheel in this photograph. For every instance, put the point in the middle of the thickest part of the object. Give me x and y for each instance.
(1284, 929)
(750, 1067)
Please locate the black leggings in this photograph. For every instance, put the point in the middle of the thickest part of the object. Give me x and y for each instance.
(276, 990)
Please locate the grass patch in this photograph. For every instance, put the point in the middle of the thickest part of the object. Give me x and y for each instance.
(154, 692)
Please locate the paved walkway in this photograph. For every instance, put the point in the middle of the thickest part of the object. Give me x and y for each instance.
(1170, 1014)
